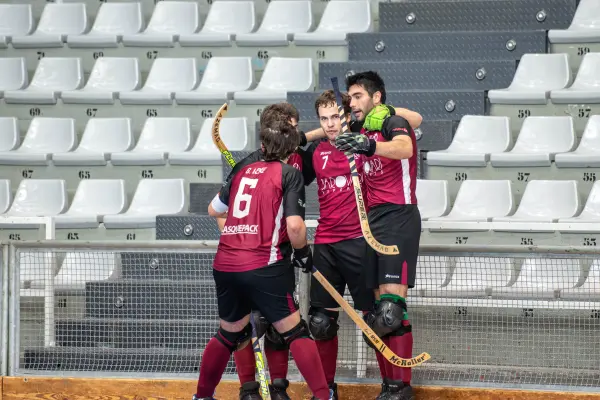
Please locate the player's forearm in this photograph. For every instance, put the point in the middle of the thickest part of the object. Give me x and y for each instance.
(221, 222)
(413, 118)
(315, 134)
(394, 149)
(297, 235)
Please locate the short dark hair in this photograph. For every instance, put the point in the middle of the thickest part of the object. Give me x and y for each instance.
(327, 98)
(370, 81)
(273, 111)
(279, 138)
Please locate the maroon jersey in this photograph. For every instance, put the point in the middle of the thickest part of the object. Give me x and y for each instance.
(338, 218)
(391, 181)
(295, 161)
(258, 199)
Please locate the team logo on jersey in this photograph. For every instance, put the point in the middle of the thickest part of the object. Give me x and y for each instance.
(243, 229)
(334, 184)
(297, 166)
(373, 166)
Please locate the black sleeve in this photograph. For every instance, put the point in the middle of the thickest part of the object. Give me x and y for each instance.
(294, 197)
(308, 171)
(394, 126)
(250, 158)
(226, 188)
(355, 126)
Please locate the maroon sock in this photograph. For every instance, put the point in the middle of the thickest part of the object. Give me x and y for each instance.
(402, 346)
(306, 355)
(389, 368)
(245, 364)
(214, 361)
(328, 351)
(278, 362)
(381, 361)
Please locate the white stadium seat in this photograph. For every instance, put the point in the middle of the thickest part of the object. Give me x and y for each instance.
(112, 22)
(587, 154)
(590, 290)
(169, 20)
(536, 76)
(5, 195)
(586, 88)
(282, 20)
(234, 133)
(543, 202)
(9, 133)
(101, 137)
(281, 75)
(222, 77)
(476, 137)
(93, 199)
(475, 276)
(44, 137)
(584, 28)
(433, 198)
(37, 197)
(159, 137)
(167, 76)
(540, 139)
(480, 201)
(15, 20)
(52, 76)
(590, 213)
(109, 76)
(33, 266)
(152, 197)
(225, 20)
(339, 19)
(57, 22)
(13, 74)
(542, 278)
(432, 273)
(81, 267)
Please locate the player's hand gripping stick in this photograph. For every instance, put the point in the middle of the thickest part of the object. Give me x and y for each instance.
(302, 258)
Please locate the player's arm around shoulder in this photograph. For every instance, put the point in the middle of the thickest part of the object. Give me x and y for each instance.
(294, 198)
(399, 144)
(414, 118)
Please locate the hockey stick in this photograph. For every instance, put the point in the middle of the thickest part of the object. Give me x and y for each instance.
(216, 136)
(260, 364)
(360, 202)
(362, 325)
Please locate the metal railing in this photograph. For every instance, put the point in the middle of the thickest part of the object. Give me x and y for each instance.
(501, 315)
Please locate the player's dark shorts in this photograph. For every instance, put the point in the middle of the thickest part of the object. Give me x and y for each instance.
(341, 264)
(398, 225)
(269, 290)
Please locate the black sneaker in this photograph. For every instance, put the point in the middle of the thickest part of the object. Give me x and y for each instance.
(333, 391)
(395, 390)
(385, 390)
(278, 389)
(250, 391)
(408, 392)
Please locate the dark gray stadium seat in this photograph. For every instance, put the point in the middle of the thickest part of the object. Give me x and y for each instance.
(489, 15)
(426, 75)
(169, 266)
(187, 226)
(430, 104)
(436, 135)
(444, 46)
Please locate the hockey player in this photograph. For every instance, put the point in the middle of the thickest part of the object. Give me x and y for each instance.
(264, 208)
(387, 144)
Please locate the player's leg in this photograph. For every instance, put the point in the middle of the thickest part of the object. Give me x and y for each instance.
(396, 275)
(233, 334)
(278, 356)
(273, 295)
(324, 311)
(245, 362)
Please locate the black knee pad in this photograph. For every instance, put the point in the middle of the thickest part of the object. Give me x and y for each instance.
(404, 329)
(300, 331)
(260, 324)
(388, 317)
(274, 340)
(368, 318)
(323, 323)
(232, 340)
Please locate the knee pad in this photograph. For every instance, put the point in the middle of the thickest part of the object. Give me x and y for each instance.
(232, 340)
(388, 317)
(260, 324)
(300, 331)
(323, 323)
(368, 318)
(274, 340)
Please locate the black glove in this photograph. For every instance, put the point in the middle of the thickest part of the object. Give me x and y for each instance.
(302, 259)
(355, 143)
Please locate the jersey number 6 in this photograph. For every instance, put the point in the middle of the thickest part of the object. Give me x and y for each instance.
(245, 198)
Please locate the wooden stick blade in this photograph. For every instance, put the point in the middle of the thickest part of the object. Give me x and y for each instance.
(216, 135)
